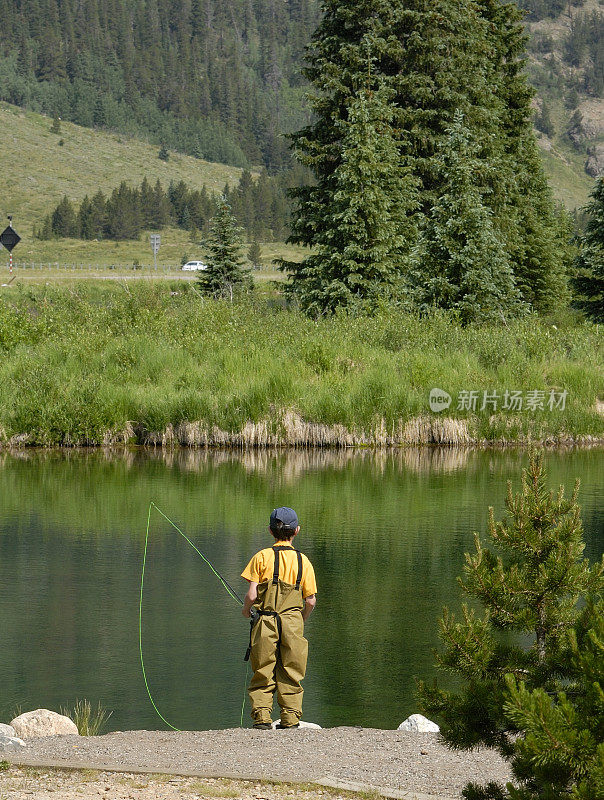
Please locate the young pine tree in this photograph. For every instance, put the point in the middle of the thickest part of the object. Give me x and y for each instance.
(461, 261)
(561, 754)
(529, 589)
(362, 250)
(588, 281)
(225, 275)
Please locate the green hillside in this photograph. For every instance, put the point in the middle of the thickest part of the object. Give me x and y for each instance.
(40, 167)
(566, 67)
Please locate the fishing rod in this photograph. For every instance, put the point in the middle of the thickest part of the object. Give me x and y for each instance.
(232, 593)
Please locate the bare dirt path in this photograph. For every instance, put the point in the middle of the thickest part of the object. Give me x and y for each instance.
(393, 763)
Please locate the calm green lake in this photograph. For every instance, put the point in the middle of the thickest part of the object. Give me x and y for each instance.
(386, 532)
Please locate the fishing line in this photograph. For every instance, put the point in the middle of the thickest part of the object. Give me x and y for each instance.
(226, 585)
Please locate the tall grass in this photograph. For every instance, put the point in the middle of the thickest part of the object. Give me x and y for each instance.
(157, 363)
(88, 720)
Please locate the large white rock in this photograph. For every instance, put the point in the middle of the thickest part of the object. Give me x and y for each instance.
(302, 725)
(418, 724)
(42, 722)
(10, 741)
(7, 730)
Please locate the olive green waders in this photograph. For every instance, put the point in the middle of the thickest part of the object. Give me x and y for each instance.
(278, 649)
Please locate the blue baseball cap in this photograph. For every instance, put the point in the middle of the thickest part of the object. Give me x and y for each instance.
(285, 515)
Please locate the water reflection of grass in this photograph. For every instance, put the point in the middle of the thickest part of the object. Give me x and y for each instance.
(158, 364)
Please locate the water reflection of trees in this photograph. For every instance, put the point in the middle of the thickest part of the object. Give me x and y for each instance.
(394, 523)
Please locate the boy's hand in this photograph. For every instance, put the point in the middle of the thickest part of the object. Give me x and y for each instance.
(246, 612)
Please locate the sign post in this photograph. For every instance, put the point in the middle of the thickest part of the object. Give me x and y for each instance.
(9, 238)
(155, 243)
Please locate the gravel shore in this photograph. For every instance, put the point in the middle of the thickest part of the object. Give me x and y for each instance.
(391, 762)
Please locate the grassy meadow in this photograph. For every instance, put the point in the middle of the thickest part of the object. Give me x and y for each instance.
(152, 362)
(43, 166)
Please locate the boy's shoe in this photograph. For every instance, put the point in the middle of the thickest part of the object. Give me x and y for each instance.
(263, 726)
(281, 727)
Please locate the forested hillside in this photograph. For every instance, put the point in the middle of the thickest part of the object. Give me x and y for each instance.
(221, 79)
(218, 79)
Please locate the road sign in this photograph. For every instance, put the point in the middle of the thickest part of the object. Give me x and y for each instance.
(155, 242)
(9, 238)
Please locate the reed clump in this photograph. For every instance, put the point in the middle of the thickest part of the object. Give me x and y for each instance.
(88, 720)
(158, 365)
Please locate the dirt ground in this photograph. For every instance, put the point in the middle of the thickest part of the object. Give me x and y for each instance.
(28, 783)
(390, 763)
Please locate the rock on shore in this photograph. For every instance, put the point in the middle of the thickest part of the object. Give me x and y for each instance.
(416, 723)
(9, 738)
(43, 722)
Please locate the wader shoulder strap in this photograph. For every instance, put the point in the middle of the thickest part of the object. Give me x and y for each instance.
(277, 550)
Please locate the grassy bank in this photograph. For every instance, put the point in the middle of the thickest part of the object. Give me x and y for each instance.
(151, 363)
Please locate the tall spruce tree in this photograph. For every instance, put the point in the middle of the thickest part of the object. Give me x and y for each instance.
(530, 587)
(361, 254)
(519, 195)
(461, 262)
(437, 56)
(225, 275)
(588, 281)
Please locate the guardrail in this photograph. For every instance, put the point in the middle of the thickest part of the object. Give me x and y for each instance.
(57, 266)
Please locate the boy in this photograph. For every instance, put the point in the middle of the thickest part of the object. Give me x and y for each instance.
(281, 597)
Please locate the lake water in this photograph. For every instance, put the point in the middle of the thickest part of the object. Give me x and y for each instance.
(386, 532)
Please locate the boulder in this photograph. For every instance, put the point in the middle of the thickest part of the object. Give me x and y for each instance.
(302, 725)
(10, 741)
(418, 724)
(7, 730)
(42, 722)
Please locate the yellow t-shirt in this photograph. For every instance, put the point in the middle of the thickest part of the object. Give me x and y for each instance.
(262, 565)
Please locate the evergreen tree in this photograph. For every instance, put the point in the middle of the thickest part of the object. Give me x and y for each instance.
(361, 241)
(254, 254)
(461, 262)
(86, 225)
(99, 215)
(147, 203)
(424, 51)
(560, 754)
(99, 115)
(225, 275)
(56, 123)
(522, 201)
(161, 206)
(588, 281)
(543, 122)
(44, 232)
(529, 588)
(64, 221)
(124, 220)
